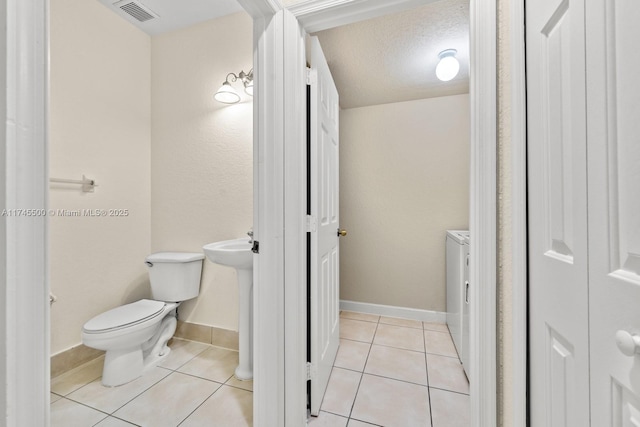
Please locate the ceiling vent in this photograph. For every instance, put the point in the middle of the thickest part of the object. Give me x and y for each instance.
(137, 10)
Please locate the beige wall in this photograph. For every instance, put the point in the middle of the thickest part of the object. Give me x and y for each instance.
(404, 180)
(128, 110)
(202, 154)
(100, 126)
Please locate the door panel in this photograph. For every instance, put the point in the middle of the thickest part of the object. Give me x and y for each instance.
(613, 95)
(558, 288)
(324, 264)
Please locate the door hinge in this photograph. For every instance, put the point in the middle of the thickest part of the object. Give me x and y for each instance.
(256, 247)
(312, 76)
(311, 372)
(311, 224)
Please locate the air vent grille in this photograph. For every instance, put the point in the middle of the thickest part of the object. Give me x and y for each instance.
(136, 10)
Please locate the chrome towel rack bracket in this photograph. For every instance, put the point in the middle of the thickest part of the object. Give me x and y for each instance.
(88, 185)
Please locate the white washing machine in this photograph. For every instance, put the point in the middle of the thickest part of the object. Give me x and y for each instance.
(457, 246)
(465, 354)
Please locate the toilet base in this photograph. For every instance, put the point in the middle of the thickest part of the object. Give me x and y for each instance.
(121, 366)
(125, 365)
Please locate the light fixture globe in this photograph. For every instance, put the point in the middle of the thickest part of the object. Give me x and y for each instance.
(248, 88)
(227, 94)
(448, 66)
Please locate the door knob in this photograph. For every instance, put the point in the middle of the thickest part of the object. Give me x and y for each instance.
(342, 232)
(628, 344)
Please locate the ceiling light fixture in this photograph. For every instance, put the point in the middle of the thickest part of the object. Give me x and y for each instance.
(227, 94)
(448, 66)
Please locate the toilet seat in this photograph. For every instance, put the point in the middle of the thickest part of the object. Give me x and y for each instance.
(125, 316)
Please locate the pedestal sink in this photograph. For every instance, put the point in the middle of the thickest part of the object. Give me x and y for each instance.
(237, 254)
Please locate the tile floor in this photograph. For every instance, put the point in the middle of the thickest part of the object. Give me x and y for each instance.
(394, 372)
(388, 372)
(195, 386)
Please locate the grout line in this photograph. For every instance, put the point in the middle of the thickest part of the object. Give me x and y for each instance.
(450, 391)
(395, 379)
(363, 369)
(444, 355)
(86, 406)
(426, 367)
(203, 378)
(366, 422)
(203, 402)
(118, 418)
(143, 391)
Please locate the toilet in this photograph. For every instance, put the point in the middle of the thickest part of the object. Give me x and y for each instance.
(135, 335)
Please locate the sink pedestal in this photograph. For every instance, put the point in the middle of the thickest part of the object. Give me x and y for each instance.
(237, 254)
(244, 371)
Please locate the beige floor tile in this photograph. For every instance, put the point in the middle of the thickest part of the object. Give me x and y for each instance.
(78, 377)
(215, 364)
(408, 323)
(182, 351)
(226, 407)
(433, 326)
(54, 397)
(245, 385)
(341, 391)
(114, 422)
(357, 330)
(391, 403)
(449, 409)
(65, 413)
(325, 419)
(447, 373)
(439, 343)
(178, 395)
(356, 423)
(396, 363)
(399, 337)
(359, 316)
(108, 399)
(352, 355)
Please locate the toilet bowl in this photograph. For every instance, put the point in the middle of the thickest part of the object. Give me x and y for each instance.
(135, 335)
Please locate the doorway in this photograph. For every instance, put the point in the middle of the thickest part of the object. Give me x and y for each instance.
(483, 84)
(30, 252)
(404, 180)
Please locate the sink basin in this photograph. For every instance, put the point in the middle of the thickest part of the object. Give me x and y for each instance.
(237, 254)
(232, 253)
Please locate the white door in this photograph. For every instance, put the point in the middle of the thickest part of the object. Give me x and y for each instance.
(613, 99)
(324, 264)
(557, 209)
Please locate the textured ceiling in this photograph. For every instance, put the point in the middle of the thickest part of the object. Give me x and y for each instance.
(393, 58)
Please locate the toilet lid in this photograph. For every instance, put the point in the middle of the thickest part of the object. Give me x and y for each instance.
(125, 315)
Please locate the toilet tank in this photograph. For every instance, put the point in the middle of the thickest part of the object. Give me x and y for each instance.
(174, 276)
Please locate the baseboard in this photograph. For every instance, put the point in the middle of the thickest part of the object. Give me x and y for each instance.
(207, 334)
(72, 358)
(392, 311)
(75, 356)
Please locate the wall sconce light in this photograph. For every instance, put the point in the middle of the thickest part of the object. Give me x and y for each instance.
(448, 66)
(227, 94)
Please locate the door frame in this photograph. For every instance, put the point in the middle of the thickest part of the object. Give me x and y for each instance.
(278, 162)
(519, 254)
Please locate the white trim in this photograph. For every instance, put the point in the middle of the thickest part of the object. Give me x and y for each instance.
(483, 191)
(268, 214)
(318, 15)
(394, 311)
(295, 212)
(519, 211)
(24, 322)
(482, 221)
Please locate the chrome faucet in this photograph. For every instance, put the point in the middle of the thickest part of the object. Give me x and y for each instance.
(250, 234)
